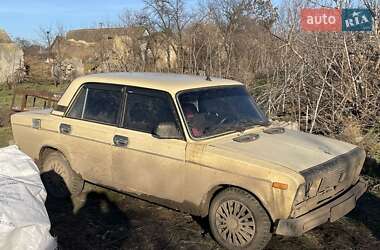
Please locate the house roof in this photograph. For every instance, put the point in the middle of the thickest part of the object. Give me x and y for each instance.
(95, 35)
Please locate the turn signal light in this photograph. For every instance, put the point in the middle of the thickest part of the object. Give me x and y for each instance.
(280, 185)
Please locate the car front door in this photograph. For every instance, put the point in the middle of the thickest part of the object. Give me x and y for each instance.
(88, 127)
(143, 162)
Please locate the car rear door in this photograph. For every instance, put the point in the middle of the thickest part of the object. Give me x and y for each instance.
(88, 127)
(143, 163)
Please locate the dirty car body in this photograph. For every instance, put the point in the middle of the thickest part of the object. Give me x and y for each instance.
(181, 140)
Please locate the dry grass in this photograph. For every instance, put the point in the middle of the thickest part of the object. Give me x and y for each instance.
(370, 142)
(5, 136)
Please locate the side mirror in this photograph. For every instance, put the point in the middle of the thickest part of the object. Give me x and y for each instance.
(167, 130)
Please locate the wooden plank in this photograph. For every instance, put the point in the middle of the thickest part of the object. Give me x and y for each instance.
(49, 99)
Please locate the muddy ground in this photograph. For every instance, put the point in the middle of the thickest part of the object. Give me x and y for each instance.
(103, 219)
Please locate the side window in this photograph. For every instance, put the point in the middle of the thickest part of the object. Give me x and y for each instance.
(76, 110)
(98, 104)
(145, 111)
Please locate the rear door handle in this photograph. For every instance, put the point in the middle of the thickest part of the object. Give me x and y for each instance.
(120, 141)
(64, 128)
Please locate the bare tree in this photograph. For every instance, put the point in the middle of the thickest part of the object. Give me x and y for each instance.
(47, 36)
(169, 17)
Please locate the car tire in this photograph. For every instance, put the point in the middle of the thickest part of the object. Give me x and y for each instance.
(238, 220)
(58, 177)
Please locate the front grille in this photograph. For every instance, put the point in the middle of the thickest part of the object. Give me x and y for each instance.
(340, 171)
(327, 180)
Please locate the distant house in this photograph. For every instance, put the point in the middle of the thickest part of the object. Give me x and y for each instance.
(113, 49)
(96, 35)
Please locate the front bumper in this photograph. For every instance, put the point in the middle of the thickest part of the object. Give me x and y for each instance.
(331, 211)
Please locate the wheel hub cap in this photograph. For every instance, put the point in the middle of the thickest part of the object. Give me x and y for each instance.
(232, 223)
(235, 223)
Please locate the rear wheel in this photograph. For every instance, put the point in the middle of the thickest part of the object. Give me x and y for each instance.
(59, 179)
(238, 221)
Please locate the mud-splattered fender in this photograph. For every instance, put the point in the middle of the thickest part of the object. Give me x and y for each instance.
(209, 170)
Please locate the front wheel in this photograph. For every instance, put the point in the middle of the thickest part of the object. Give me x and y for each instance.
(238, 221)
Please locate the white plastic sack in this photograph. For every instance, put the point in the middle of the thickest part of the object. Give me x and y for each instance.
(24, 222)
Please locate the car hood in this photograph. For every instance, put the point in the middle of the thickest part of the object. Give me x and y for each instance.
(292, 149)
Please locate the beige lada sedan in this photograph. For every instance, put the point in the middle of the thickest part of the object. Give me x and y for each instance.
(198, 145)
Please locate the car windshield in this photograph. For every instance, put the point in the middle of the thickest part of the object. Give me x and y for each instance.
(213, 111)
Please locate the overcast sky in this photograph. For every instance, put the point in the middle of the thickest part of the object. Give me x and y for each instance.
(22, 18)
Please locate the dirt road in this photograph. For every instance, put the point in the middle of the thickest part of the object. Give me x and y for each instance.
(102, 219)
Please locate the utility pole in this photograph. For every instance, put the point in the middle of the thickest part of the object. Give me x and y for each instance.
(48, 40)
(102, 46)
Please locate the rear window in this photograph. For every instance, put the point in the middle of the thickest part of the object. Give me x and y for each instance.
(98, 103)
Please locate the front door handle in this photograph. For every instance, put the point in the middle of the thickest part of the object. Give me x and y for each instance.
(64, 128)
(120, 141)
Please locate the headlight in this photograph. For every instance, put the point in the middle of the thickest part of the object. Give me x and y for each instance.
(313, 187)
(301, 194)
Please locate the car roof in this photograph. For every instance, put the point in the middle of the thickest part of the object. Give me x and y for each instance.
(172, 83)
(162, 81)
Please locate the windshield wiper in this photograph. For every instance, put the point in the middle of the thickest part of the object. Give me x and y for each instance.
(246, 124)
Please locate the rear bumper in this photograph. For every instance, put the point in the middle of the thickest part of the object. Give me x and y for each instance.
(331, 211)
